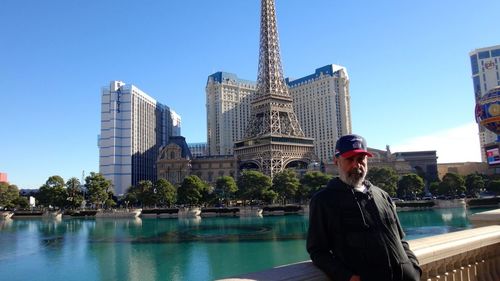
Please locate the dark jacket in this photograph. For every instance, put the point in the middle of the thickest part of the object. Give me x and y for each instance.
(355, 233)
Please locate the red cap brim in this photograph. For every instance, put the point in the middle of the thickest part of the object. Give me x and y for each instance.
(351, 153)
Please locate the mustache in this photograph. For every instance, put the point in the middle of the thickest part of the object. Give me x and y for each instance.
(356, 172)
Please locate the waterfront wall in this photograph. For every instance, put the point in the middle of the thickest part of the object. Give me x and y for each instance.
(468, 255)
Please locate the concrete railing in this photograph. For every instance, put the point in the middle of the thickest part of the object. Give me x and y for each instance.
(469, 255)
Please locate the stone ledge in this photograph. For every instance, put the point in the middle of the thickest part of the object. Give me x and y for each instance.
(428, 250)
(485, 218)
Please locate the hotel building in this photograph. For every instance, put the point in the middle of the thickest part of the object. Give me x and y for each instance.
(228, 111)
(321, 102)
(133, 128)
(485, 76)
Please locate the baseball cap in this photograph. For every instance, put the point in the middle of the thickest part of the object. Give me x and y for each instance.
(350, 145)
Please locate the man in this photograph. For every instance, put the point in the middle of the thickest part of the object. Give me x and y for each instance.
(354, 231)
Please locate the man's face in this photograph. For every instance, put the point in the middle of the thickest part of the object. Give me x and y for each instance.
(352, 170)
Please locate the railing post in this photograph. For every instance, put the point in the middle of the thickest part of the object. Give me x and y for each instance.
(476, 271)
(462, 274)
(483, 271)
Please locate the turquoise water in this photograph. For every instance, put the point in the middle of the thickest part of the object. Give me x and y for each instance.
(172, 249)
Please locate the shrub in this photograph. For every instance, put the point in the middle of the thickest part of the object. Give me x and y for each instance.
(484, 201)
(424, 204)
(220, 210)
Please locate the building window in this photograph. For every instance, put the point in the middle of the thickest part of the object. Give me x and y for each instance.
(484, 55)
(474, 65)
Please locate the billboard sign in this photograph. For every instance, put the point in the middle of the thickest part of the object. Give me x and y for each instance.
(492, 155)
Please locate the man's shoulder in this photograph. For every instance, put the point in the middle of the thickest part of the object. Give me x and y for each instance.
(331, 191)
(377, 189)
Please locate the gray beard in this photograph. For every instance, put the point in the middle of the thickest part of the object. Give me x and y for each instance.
(355, 179)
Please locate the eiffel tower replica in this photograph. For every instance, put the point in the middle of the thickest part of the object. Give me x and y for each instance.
(274, 140)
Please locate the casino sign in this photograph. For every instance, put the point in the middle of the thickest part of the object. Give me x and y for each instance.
(488, 110)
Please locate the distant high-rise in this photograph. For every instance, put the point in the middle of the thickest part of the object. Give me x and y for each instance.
(228, 111)
(321, 102)
(133, 128)
(485, 76)
(172, 116)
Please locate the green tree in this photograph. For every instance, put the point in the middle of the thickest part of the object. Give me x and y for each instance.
(75, 193)
(131, 196)
(53, 193)
(110, 202)
(434, 188)
(9, 194)
(452, 184)
(494, 187)
(385, 178)
(225, 188)
(191, 190)
(21, 202)
(311, 183)
(166, 194)
(253, 185)
(97, 187)
(269, 196)
(146, 193)
(285, 184)
(474, 183)
(409, 185)
(208, 196)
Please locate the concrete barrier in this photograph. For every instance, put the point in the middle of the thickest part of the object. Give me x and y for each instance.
(468, 255)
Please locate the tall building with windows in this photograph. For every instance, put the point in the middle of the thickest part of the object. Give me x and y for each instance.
(485, 76)
(228, 111)
(321, 102)
(174, 122)
(198, 149)
(133, 128)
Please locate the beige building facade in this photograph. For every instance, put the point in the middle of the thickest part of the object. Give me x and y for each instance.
(321, 102)
(463, 168)
(175, 162)
(228, 111)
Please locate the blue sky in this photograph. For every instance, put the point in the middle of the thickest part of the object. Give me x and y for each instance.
(407, 60)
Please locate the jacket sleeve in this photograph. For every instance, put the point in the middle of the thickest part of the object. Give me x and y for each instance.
(319, 243)
(411, 255)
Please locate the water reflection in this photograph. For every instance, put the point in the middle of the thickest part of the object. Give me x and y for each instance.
(189, 221)
(172, 249)
(417, 224)
(5, 224)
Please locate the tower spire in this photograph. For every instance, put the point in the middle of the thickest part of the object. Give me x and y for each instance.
(274, 140)
(270, 80)
(272, 107)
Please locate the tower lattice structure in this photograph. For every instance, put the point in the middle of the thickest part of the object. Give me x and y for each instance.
(274, 139)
